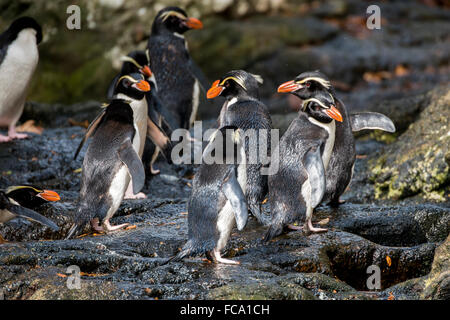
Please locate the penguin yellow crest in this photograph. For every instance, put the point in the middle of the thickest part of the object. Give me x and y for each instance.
(167, 14)
(235, 79)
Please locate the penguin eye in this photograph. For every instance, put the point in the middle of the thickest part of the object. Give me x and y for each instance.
(126, 83)
(308, 84)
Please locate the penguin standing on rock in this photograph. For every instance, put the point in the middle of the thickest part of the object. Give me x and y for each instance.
(177, 75)
(18, 202)
(308, 85)
(304, 154)
(217, 201)
(18, 59)
(160, 122)
(113, 156)
(244, 110)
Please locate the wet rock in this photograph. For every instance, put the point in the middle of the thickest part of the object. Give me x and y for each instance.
(437, 284)
(418, 162)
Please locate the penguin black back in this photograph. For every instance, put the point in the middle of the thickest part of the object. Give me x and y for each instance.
(10, 34)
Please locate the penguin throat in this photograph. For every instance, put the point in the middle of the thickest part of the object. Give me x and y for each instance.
(329, 144)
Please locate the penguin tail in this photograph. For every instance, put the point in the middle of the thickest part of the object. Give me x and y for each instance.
(81, 217)
(191, 248)
(273, 231)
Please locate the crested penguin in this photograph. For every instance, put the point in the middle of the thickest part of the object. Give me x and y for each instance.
(304, 154)
(308, 85)
(19, 57)
(217, 201)
(113, 156)
(179, 78)
(244, 110)
(18, 202)
(160, 121)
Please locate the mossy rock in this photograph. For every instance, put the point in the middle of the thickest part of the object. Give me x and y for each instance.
(419, 161)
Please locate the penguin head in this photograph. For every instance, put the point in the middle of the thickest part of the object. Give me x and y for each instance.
(31, 196)
(322, 108)
(307, 85)
(174, 20)
(25, 23)
(136, 62)
(236, 83)
(132, 85)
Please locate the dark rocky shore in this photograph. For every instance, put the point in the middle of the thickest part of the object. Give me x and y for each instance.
(397, 214)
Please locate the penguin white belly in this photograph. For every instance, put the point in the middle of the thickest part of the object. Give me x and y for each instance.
(329, 144)
(16, 72)
(226, 219)
(140, 122)
(117, 190)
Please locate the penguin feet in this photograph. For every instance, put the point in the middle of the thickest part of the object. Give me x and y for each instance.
(4, 138)
(13, 134)
(132, 196)
(217, 258)
(107, 227)
(308, 228)
(294, 227)
(336, 203)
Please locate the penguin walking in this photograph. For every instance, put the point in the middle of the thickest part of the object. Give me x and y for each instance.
(18, 202)
(244, 110)
(19, 57)
(179, 78)
(160, 122)
(217, 201)
(308, 85)
(113, 156)
(304, 154)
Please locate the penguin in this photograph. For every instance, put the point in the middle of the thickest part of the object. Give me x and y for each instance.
(217, 201)
(160, 121)
(244, 110)
(304, 154)
(179, 78)
(19, 57)
(131, 88)
(30, 196)
(113, 156)
(307, 85)
(18, 202)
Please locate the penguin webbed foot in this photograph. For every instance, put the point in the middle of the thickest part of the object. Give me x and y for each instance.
(107, 227)
(215, 256)
(5, 138)
(308, 228)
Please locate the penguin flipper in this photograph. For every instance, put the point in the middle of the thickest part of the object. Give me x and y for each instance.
(130, 158)
(371, 120)
(198, 74)
(111, 88)
(29, 214)
(233, 192)
(316, 175)
(90, 131)
(167, 117)
(159, 138)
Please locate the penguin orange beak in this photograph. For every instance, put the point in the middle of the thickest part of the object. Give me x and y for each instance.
(334, 113)
(49, 195)
(145, 70)
(215, 90)
(289, 86)
(193, 23)
(142, 85)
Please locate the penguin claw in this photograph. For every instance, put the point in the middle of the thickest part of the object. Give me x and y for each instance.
(309, 228)
(218, 258)
(107, 227)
